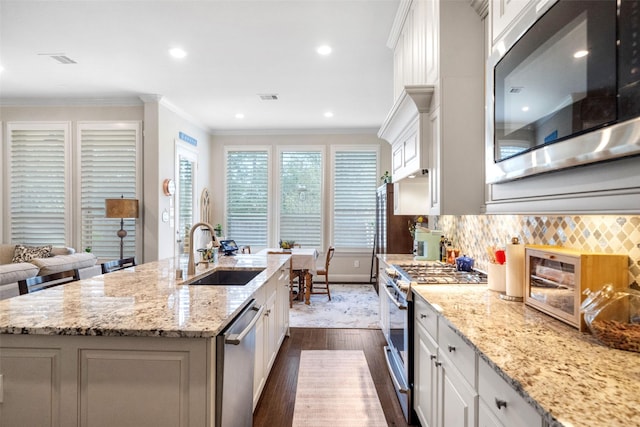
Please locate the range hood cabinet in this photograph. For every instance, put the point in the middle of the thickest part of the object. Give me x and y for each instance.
(407, 129)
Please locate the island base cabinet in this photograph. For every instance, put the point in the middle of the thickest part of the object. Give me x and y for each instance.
(147, 387)
(30, 387)
(73, 381)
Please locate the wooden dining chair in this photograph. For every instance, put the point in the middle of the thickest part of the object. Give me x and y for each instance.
(38, 283)
(324, 271)
(118, 264)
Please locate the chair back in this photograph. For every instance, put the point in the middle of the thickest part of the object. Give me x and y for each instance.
(118, 264)
(330, 252)
(38, 283)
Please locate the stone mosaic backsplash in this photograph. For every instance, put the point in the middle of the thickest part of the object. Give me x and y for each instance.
(618, 234)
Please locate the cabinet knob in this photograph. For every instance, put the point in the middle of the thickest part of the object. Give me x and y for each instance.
(423, 316)
(451, 349)
(438, 364)
(433, 357)
(500, 403)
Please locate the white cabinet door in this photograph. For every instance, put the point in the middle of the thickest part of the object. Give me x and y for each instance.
(425, 377)
(435, 163)
(271, 332)
(123, 387)
(282, 301)
(30, 384)
(485, 416)
(458, 401)
(503, 14)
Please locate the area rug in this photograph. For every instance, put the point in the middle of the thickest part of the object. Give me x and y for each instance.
(351, 306)
(335, 389)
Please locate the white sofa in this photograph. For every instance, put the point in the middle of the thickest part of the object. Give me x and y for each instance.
(62, 259)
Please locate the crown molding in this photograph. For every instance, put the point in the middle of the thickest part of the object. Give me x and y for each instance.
(71, 102)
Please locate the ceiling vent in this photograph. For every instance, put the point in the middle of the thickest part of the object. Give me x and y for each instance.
(516, 89)
(59, 57)
(268, 96)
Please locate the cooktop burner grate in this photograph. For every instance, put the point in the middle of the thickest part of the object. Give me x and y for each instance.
(438, 272)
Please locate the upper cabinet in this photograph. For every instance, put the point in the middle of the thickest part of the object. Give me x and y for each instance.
(562, 111)
(435, 126)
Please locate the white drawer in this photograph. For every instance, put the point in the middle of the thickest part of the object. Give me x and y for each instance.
(426, 316)
(503, 401)
(461, 354)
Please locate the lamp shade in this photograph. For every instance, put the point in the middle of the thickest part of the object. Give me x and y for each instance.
(121, 208)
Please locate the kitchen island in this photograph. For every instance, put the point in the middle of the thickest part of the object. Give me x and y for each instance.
(568, 378)
(133, 347)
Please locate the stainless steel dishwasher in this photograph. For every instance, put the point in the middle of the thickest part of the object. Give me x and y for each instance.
(235, 353)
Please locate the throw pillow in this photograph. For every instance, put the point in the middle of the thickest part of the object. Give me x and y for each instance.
(24, 253)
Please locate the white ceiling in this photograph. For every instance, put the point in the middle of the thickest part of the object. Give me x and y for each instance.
(237, 49)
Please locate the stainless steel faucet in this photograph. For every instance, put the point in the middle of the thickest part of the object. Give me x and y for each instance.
(191, 268)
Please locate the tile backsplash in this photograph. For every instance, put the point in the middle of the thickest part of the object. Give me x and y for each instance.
(618, 234)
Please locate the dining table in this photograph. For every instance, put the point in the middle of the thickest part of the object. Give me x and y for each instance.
(303, 260)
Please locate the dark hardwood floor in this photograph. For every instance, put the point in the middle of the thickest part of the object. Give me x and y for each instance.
(275, 408)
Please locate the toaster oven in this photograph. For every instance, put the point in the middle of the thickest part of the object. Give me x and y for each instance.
(556, 278)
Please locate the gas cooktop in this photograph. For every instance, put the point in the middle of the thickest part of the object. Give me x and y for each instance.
(436, 272)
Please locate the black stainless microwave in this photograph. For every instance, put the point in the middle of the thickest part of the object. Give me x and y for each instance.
(567, 92)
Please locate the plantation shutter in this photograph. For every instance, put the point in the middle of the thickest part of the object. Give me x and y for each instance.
(108, 170)
(38, 190)
(247, 210)
(185, 201)
(301, 197)
(354, 205)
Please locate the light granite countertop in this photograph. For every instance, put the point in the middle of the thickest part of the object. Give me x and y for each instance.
(568, 376)
(146, 300)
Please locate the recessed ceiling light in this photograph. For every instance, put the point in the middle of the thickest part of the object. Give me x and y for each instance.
(324, 50)
(239, 116)
(581, 54)
(525, 108)
(177, 52)
(328, 114)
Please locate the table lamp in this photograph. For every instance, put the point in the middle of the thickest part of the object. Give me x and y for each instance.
(121, 208)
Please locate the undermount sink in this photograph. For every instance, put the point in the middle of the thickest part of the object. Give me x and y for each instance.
(228, 278)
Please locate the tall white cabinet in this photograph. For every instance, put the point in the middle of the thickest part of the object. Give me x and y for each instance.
(436, 125)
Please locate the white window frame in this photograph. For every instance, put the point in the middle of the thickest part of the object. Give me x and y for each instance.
(65, 126)
(262, 148)
(275, 232)
(77, 184)
(189, 152)
(331, 211)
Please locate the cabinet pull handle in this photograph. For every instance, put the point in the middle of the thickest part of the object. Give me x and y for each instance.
(451, 349)
(423, 316)
(433, 357)
(438, 364)
(500, 403)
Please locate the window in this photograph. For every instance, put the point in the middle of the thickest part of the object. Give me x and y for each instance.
(108, 170)
(38, 183)
(355, 178)
(247, 196)
(301, 197)
(48, 206)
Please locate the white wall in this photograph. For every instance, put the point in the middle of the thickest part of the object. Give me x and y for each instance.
(163, 123)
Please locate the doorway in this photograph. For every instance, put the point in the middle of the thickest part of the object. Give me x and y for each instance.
(185, 197)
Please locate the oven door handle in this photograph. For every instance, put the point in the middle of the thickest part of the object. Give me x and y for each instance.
(394, 300)
(396, 383)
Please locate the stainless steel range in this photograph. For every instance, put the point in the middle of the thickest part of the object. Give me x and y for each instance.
(397, 316)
